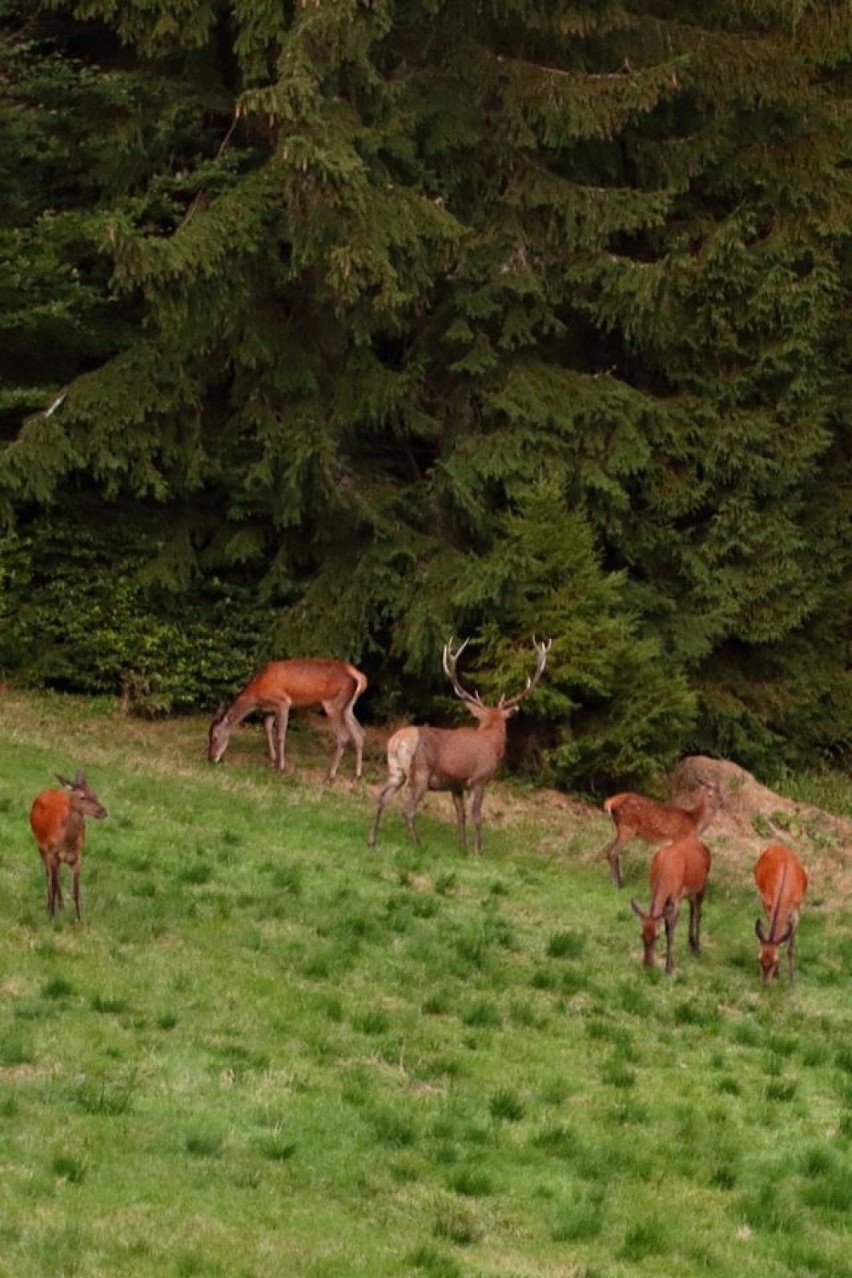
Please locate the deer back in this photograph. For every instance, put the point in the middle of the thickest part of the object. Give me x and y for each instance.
(680, 869)
(646, 819)
(782, 881)
(304, 681)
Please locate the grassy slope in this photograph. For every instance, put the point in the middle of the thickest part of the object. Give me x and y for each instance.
(268, 1050)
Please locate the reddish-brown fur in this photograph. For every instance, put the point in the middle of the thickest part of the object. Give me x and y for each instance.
(679, 870)
(454, 759)
(280, 686)
(636, 817)
(782, 881)
(57, 818)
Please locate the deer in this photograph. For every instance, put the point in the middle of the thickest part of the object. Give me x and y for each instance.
(678, 870)
(782, 881)
(57, 819)
(636, 817)
(460, 760)
(298, 683)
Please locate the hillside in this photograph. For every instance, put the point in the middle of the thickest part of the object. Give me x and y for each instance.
(268, 1049)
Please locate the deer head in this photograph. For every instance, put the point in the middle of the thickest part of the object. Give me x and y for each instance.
(83, 797)
(506, 706)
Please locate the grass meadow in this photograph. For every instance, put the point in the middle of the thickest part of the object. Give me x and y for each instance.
(268, 1050)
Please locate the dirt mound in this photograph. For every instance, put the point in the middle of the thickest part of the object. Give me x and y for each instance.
(753, 816)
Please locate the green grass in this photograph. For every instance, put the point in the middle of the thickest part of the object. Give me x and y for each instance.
(267, 1049)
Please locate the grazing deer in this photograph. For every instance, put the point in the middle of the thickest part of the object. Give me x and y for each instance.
(57, 821)
(678, 870)
(454, 759)
(301, 682)
(636, 817)
(782, 881)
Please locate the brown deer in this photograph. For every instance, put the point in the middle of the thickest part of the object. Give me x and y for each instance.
(782, 881)
(636, 817)
(454, 759)
(678, 870)
(58, 824)
(280, 686)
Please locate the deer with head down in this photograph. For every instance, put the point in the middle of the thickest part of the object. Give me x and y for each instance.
(782, 881)
(460, 760)
(679, 870)
(57, 820)
(280, 686)
(636, 817)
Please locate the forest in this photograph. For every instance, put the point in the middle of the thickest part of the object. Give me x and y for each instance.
(341, 327)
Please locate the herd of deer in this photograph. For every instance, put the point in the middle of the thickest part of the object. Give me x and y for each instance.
(459, 760)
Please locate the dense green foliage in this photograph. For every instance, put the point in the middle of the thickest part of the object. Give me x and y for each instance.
(267, 1050)
(409, 318)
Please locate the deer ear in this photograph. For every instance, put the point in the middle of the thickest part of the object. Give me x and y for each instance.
(636, 908)
(69, 785)
(760, 931)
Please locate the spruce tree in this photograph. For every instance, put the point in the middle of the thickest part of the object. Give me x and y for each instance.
(402, 288)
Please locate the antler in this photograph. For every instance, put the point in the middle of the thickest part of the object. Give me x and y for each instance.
(450, 661)
(542, 648)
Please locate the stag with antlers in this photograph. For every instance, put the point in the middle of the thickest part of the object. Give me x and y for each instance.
(460, 760)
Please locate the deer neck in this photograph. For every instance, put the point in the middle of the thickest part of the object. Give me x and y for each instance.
(240, 709)
(76, 823)
(493, 729)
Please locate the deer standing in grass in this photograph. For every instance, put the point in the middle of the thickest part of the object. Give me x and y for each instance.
(57, 818)
(782, 881)
(280, 686)
(455, 759)
(636, 817)
(678, 870)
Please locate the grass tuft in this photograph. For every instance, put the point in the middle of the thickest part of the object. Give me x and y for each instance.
(567, 944)
(507, 1105)
(70, 1169)
(57, 988)
(203, 1144)
(472, 1182)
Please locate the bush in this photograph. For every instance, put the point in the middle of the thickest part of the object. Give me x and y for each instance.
(79, 613)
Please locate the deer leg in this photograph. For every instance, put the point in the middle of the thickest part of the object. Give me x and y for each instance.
(695, 925)
(461, 818)
(671, 922)
(611, 852)
(342, 736)
(478, 793)
(393, 787)
(357, 736)
(790, 960)
(281, 719)
(269, 729)
(410, 809)
(54, 894)
(75, 880)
